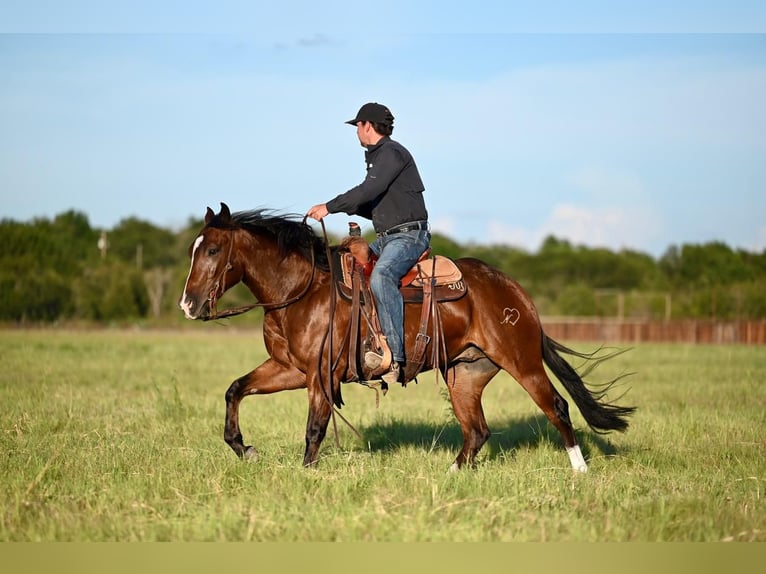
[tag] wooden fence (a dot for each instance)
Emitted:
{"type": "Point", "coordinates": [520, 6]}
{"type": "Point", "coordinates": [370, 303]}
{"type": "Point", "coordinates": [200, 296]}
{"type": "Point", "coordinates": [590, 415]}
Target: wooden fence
{"type": "Point", "coordinates": [646, 331]}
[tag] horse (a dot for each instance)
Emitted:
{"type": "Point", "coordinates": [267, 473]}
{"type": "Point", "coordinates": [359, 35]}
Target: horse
{"type": "Point", "coordinates": [286, 266]}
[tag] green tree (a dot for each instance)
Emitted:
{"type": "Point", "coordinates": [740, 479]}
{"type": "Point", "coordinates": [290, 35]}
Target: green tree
{"type": "Point", "coordinates": [142, 244]}
{"type": "Point", "coordinates": [39, 296]}
{"type": "Point", "coordinates": [712, 263]}
{"type": "Point", "coordinates": [38, 263]}
{"type": "Point", "coordinates": [443, 245]}
{"type": "Point", "coordinates": [577, 299]}
{"type": "Point", "coordinates": [111, 291]}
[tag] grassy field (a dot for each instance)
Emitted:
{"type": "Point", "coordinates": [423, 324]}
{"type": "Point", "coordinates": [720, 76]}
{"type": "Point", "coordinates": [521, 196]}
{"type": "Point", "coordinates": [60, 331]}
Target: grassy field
{"type": "Point", "coordinates": [117, 436]}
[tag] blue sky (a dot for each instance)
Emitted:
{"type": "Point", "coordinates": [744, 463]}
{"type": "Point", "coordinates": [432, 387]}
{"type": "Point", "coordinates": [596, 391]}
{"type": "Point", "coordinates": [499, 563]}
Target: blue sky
{"type": "Point", "coordinates": [620, 128]}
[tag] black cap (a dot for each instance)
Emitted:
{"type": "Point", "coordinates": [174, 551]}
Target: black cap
{"type": "Point", "coordinates": [373, 112]}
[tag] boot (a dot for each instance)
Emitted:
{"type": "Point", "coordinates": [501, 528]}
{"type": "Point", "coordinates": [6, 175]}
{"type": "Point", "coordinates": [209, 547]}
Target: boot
{"type": "Point", "coordinates": [395, 374]}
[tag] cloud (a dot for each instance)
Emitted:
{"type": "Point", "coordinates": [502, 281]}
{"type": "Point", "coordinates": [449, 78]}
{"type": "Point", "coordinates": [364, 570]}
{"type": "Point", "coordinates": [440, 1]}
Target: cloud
{"type": "Point", "coordinates": [504, 234]}
{"type": "Point", "coordinates": [444, 225]}
{"type": "Point", "coordinates": [597, 206]}
{"type": "Point", "coordinates": [609, 227]}
{"type": "Point", "coordinates": [315, 40]}
{"type": "Point", "coordinates": [588, 225]}
{"type": "Point", "coordinates": [759, 243]}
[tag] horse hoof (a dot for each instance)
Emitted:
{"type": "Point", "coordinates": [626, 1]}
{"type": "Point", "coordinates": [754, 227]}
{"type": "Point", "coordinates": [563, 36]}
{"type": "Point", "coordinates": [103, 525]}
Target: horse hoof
{"type": "Point", "coordinates": [250, 453]}
{"type": "Point", "coordinates": [454, 468]}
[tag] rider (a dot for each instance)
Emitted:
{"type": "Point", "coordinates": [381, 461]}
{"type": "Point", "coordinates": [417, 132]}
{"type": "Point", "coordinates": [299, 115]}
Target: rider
{"type": "Point", "coordinates": [392, 196]}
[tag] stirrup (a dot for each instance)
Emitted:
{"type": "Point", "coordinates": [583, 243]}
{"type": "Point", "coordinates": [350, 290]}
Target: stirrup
{"type": "Point", "coordinates": [372, 360]}
{"type": "Point", "coordinates": [378, 362]}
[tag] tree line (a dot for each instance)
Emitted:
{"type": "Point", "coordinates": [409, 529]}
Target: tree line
{"type": "Point", "coordinates": [63, 269]}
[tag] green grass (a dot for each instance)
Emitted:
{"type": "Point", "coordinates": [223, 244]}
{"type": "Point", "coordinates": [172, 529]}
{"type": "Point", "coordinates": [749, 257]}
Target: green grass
{"type": "Point", "coordinates": [117, 436]}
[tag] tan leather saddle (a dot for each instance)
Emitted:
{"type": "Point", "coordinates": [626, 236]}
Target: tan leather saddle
{"type": "Point", "coordinates": [431, 280]}
{"type": "Point", "coordinates": [438, 271]}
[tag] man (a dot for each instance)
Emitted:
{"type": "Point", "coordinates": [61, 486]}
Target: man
{"type": "Point", "coordinates": [391, 195]}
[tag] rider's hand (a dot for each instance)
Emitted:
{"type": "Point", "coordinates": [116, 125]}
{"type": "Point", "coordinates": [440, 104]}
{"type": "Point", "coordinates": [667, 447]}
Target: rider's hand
{"type": "Point", "coordinates": [318, 212]}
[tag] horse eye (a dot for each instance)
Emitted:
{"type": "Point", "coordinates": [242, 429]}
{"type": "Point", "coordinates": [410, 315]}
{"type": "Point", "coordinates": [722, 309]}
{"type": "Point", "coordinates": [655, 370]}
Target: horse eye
{"type": "Point", "coordinates": [213, 251]}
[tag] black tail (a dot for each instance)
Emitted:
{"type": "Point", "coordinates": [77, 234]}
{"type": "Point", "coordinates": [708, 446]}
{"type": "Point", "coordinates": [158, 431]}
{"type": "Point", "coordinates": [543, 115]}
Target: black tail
{"type": "Point", "coordinates": [600, 416]}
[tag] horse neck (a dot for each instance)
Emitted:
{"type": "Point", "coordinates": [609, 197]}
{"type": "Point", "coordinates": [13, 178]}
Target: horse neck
{"type": "Point", "coordinates": [271, 276]}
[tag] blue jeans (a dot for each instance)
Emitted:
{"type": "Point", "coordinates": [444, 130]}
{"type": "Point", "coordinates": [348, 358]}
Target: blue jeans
{"type": "Point", "coordinates": [397, 254]}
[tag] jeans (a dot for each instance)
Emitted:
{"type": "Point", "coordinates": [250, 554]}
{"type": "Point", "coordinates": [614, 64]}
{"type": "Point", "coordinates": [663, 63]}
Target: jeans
{"type": "Point", "coordinates": [397, 253]}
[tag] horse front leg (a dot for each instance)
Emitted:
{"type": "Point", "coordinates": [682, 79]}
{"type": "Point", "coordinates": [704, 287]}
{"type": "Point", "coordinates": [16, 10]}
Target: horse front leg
{"type": "Point", "coordinates": [320, 410]}
{"type": "Point", "coordinates": [269, 377]}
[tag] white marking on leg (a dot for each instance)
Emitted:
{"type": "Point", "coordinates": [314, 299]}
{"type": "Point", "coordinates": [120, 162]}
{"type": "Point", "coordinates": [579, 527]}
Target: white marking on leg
{"type": "Point", "coordinates": [454, 467]}
{"type": "Point", "coordinates": [577, 459]}
{"type": "Point", "coordinates": [184, 303]}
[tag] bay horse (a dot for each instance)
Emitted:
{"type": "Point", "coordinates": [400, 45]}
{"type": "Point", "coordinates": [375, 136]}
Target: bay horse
{"type": "Point", "coordinates": [286, 266]}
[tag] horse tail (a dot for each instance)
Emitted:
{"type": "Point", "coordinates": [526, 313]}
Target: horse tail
{"type": "Point", "coordinates": [600, 415]}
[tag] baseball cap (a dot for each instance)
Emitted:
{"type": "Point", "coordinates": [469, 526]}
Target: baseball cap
{"type": "Point", "coordinates": [373, 112]}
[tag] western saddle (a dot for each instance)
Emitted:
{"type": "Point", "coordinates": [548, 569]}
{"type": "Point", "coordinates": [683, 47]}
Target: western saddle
{"type": "Point", "coordinates": [431, 280]}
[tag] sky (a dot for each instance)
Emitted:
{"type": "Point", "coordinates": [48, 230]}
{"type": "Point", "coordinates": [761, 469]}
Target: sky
{"type": "Point", "coordinates": [606, 126]}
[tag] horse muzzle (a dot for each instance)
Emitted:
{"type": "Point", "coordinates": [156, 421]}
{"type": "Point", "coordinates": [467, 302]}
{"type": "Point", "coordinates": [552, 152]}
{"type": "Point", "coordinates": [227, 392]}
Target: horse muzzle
{"type": "Point", "coordinates": [193, 309]}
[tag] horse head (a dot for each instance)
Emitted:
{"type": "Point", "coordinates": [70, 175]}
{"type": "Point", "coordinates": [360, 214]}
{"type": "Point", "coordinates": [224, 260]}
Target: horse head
{"type": "Point", "coordinates": [212, 270]}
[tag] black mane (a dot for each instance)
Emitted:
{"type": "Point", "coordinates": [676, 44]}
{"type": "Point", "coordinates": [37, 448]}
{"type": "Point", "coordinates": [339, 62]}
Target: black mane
{"type": "Point", "coordinates": [291, 232]}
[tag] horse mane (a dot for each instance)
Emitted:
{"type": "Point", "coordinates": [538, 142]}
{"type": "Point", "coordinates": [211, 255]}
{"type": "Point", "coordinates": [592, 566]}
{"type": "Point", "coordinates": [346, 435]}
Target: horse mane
{"type": "Point", "coordinates": [291, 232]}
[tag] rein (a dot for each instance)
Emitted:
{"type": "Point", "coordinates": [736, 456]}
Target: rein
{"type": "Point", "coordinates": [220, 286]}
{"type": "Point", "coordinates": [328, 389]}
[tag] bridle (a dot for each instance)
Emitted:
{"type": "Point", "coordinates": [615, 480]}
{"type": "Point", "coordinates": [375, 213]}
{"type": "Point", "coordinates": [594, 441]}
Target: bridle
{"type": "Point", "coordinates": [220, 287]}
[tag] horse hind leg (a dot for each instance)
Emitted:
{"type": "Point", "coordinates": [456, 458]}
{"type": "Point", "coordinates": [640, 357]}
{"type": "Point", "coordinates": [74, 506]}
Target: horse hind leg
{"type": "Point", "coordinates": [466, 380]}
{"type": "Point", "coordinates": [556, 408]}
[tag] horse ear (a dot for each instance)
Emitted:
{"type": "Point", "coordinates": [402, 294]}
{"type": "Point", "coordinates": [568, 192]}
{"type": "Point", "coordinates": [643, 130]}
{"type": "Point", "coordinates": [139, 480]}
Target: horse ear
{"type": "Point", "coordinates": [209, 216]}
{"type": "Point", "coordinates": [225, 214]}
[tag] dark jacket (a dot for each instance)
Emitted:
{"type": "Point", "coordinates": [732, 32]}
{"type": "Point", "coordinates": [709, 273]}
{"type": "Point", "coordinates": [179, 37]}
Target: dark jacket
{"type": "Point", "coordinates": [392, 192]}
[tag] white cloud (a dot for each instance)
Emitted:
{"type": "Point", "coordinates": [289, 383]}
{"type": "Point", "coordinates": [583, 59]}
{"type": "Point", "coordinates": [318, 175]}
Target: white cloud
{"type": "Point", "coordinates": [502, 233]}
{"type": "Point", "coordinates": [613, 210]}
{"type": "Point", "coordinates": [609, 227]}
{"type": "Point", "coordinates": [759, 243]}
{"type": "Point", "coordinates": [445, 225]}
{"type": "Point", "coordinates": [587, 226]}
